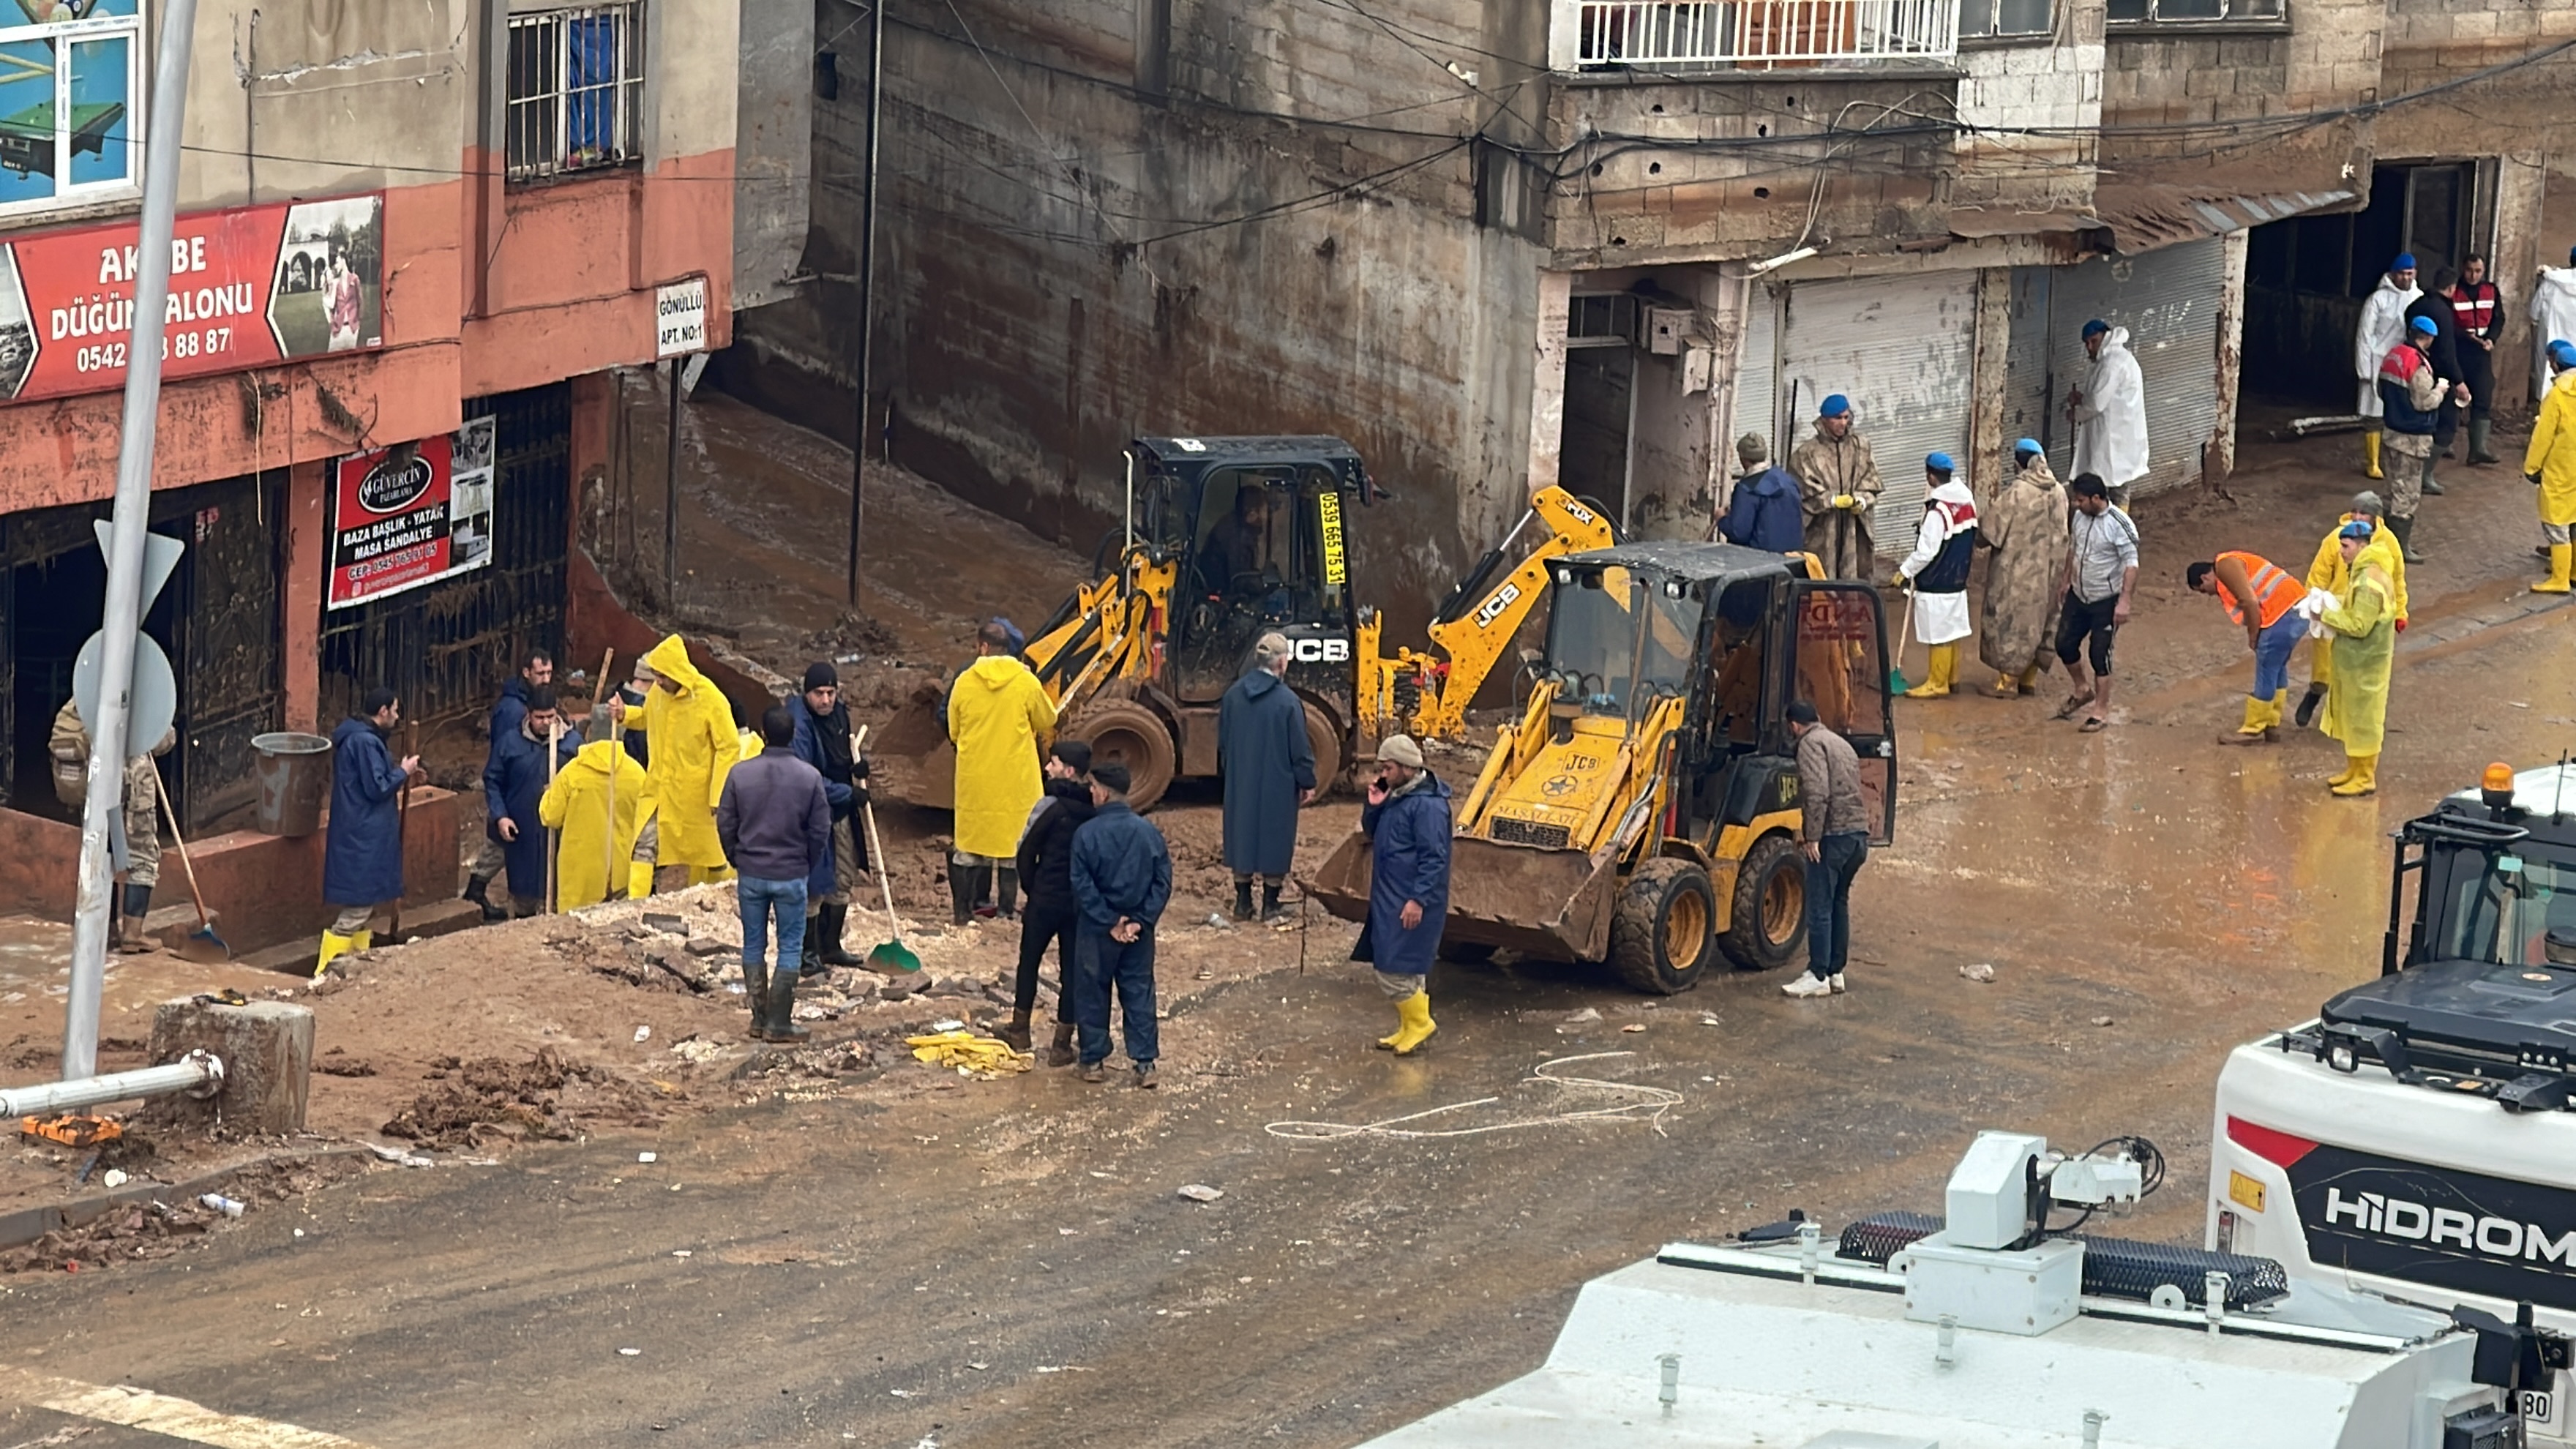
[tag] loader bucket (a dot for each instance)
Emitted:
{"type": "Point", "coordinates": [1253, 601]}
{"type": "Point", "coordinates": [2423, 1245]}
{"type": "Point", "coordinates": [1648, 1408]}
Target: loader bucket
{"type": "Point", "coordinates": [910, 758]}
{"type": "Point", "coordinates": [1553, 904]}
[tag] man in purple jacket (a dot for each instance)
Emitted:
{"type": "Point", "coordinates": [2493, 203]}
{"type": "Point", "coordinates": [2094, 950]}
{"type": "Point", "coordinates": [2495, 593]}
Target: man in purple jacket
{"type": "Point", "coordinates": [776, 826]}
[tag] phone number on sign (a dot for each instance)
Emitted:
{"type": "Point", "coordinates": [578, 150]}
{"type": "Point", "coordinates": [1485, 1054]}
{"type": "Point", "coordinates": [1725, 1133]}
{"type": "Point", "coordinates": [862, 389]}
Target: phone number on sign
{"type": "Point", "coordinates": [374, 568]}
{"type": "Point", "coordinates": [107, 356]}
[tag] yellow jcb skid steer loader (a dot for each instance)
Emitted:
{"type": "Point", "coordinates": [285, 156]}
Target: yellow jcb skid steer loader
{"type": "Point", "coordinates": [1644, 811]}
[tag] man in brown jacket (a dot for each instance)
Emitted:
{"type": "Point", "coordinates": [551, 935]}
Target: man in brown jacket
{"type": "Point", "coordinates": [1833, 829]}
{"type": "Point", "coordinates": [1838, 488]}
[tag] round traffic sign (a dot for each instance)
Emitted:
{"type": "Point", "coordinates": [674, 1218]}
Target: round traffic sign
{"type": "Point", "coordinates": [156, 690]}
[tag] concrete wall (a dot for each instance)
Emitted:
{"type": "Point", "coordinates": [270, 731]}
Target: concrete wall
{"type": "Point", "coordinates": [2325, 55]}
{"type": "Point", "coordinates": [2054, 84]}
{"type": "Point", "coordinates": [773, 148]}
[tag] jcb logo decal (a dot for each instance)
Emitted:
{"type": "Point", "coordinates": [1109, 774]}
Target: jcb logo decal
{"type": "Point", "coordinates": [1492, 609]}
{"type": "Point", "coordinates": [1321, 651]}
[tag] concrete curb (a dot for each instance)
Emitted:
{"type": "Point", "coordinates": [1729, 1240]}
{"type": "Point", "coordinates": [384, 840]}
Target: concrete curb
{"type": "Point", "coordinates": [26, 1225]}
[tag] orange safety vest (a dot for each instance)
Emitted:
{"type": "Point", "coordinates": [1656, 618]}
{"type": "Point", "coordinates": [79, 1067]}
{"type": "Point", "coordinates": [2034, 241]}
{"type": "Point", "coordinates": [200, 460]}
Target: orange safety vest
{"type": "Point", "coordinates": [2275, 592]}
{"type": "Point", "coordinates": [2400, 363]}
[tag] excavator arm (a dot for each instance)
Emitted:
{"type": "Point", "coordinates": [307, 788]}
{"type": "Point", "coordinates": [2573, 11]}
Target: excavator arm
{"type": "Point", "coordinates": [1427, 694]}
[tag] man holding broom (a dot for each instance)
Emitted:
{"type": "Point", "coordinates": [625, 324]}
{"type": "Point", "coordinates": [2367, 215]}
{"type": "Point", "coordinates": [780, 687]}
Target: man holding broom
{"type": "Point", "coordinates": [515, 778]}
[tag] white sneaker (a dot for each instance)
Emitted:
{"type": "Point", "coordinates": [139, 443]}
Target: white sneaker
{"type": "Point", "coordinates": [1837, 981]}
{"type": "Point", "coordinates": [1807, 985]}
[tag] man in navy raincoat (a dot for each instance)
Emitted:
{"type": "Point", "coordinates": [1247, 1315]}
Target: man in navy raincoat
{"type": "Point", "coordinates": [362, 863]}
{"type": "Point", "coordinates": [507, 713]}
{"type": "Point", "coordinates": [514, 780]}
{"type": "Point", "coordinates": [1407, 822]}
{"type": "Point", "coordinates": [1269, 770]}
{"type": "Point", "coordinates": [1764, 511]}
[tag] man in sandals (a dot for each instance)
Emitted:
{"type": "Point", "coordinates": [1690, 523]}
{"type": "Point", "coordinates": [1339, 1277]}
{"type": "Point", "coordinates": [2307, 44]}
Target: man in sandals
{"type": "Point", "coordinates": [2101, 573]}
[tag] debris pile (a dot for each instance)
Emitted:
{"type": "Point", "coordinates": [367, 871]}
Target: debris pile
{"type": "Point", "coordinates": [492, 1099]}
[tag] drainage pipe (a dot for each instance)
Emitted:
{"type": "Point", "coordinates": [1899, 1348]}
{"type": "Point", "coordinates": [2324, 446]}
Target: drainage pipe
{"type": "Point", "coordinates": [197, 1074]}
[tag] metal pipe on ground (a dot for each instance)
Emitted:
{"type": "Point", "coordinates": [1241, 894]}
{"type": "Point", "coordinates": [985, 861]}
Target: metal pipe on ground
{"type": "Point", "coordinates": [198, 1073]}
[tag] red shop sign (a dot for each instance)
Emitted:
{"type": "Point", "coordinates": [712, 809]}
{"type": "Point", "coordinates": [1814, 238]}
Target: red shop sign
{"type": "Point", "coordinates": [250, 287]}
{"type": "Point", "coordinates": [390, 528]}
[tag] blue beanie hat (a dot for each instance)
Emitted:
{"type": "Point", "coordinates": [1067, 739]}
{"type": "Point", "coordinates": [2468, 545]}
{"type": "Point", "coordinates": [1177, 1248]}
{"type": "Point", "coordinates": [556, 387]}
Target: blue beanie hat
{"type": "Point", "coordinates": [1834, 406]}
{"type": "Point", "coordinates": [1940, 463]}
{"type": "Point", "coordinates": [2562, 352]}
{"type": "Point", "coordinates": [2360, 528]}
{"type": "Point", "coordinates": [2405, 262]}
{"type": "Point", "coordinates": [2096, 325]}
{"type": "Point", "coordinates": [2029, 445]}
{"type": "Point", "coordinates": [2426, 325]}
{"type": "Point", "coordinates": [1019, 641]}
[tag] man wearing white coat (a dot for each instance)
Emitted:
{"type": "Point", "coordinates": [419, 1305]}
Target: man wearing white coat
{"type": "Point", "coordinates": [2553, 315]}
{"type": "Point", "coordinates": [2110, 412]}
{"type": "Point", "coordinates": [2383, 326]}
{"type": "Point", "coordinates": [1937, 570]}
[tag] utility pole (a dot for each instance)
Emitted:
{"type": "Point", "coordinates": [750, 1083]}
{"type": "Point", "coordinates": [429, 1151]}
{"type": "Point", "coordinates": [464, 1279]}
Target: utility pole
{"type": "Point", "coordinates": [671, 497]}
{"type": "Point", "coordinates": [867, 290]}
{"type": "Point", "coordinates": [129, 521]}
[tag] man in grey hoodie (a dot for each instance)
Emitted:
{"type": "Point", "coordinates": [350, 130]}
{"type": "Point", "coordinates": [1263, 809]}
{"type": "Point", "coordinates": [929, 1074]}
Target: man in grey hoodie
{"type": "Point", "coordinates": [775, 824]}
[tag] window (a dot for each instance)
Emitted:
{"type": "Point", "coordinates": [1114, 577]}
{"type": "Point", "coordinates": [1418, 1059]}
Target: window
{"type": "Point", "coordinates": [576, 81]}
{"type": "Point", "coordinates": [71, 97]}
{"type": "Point", "coordinates": [2187, 10]}
{"type": "Point", "coordinates": [2007, 17]}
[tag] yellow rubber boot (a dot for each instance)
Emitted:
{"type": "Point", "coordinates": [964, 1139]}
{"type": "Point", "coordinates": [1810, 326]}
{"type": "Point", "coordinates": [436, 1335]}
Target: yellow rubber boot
{"type": "Point", "coordinates": [1944, 673]}
{"type": "Point", "coordinates": [2272, 711]}
{"type": "Point", "coordinates": [1402, 1024]}
{"type": "Point", "coordinates": [2561, 557]}
{"type": "Point", "coordinates": [639, 879]}
{"type": "Point", "coordinates": [1418, 1025]}
{"type": "Point", "coordinates": [2363, 779]}
{"type": "Point", "coordinates": [366, 939]}
{"type": "Point", "coordinates": [2340, 776]}
{"type": "Point", "coordinates": [703, 874]}
{"type": "Point", "coordinates": [2370, 455]}
{"type": "Point", "coordinates": [2257, 729]}
{"type": "Point", "coordinates": [334, 945]}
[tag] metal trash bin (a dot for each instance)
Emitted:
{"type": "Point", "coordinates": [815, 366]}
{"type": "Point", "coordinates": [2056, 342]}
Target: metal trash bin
{"type": "Point", "coordinates": [294, 778]}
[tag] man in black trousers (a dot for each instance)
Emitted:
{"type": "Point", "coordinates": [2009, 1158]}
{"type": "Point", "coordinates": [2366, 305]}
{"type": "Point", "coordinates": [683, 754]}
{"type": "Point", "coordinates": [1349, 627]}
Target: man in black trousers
{"type": "Point", "coordinates": [1122, 875]}
{"type": "Point", "coordinates": [1046, 873]}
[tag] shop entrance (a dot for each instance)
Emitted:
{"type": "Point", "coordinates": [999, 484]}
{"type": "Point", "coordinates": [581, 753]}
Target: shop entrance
{"type": "Point", "coordinates": [217, 619]}
{"type": "Point", "coordinates": [2306, 278]}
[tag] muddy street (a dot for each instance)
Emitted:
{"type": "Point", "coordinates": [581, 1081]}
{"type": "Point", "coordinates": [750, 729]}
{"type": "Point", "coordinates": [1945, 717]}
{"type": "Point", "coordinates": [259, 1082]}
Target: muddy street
{"type": "Point", "coordinates": [844, 1245]}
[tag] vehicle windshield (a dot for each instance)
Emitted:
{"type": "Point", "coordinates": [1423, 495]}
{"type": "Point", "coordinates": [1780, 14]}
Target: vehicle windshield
{"type": "Point", "coordinates": [2507, 912]}
{"type": "Point", "coordinates": [1593, 641]}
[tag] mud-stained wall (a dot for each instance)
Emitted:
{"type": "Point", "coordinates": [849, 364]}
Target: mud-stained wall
{"type": "Point", "coordinates": [1071, 257]}
{"type": "Point", "coordinates": [2159, 77]}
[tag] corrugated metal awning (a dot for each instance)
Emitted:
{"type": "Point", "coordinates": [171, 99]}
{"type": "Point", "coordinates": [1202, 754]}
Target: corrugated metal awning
{"type": "Point", "coordinates": [2140, 217]}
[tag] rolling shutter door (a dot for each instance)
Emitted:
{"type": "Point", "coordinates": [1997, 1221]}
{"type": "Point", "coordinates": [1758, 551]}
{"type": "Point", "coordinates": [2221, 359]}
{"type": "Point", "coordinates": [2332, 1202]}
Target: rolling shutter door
{"type": "Point", "coordinates": [2168, 300]}
{"type": "Point", "coordinates": [2029, 385]}
{"type": "Point", "coordinates": [1757, 407]}
{"type": "Point", "coordinates": [1901, 348]}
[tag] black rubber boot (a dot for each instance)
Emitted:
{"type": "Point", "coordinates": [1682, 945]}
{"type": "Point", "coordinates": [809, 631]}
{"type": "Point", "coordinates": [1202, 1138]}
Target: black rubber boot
{"type": "Point", "coordinates": [1015, 1031]}
{"type": "Point", "coordinates": [1243, 898]}
{"type": "Point", "coordinates": [809, 960]}
{"type": "Point", "coordinates": [979, 889]}
{"type": "Point", "coordinates": [478, 889]}
{"type": "Point", "coordinates": [961, 884]}
{"type": "Point", "coordinates": [836, 921]}
{"type": "Point", "coordinates": [755, 994]}
{"type": "Point", "coordinates": [2432, 486]}
{"type": "Point", "coordinates": [1269, 900]}
{"type": "Point", "coordinates": [2308, 703]}
{"type": "Point", "coordinates": [2404, 528]}
{"type": "Point", "coordinates": [1006, 891]}
{"type": "Point", "coordinates": [781, 1025]}
{"type": "Point", "coordinates": [1059, 1052]}
{"type": "Point", "coordinates": [138, 904]}
{"type": "Point", "coordinates": [2480, 430]}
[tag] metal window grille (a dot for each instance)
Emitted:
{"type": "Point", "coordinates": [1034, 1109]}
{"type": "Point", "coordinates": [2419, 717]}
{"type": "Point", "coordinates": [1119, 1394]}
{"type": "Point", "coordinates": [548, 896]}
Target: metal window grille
{"type": "Point", "coordinates": [1764, 32]}
{"type": "Point", "coordinates": [2188, 10]}
{"type": "Point", "coordinates": [576, 87]}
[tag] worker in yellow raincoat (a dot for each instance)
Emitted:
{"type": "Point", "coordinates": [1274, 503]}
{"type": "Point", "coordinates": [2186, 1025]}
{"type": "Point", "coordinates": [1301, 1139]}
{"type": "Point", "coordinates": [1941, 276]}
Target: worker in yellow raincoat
{"type": "Point", "coordinates": [2329, 572]}
{"type": "Point", "coordinates": [2364, 623]}
{"type": "Point", "coordinates": [695, 745]}
{"type": "Point", "coordinates": [577, 804]}
{"type": "Point", "coordinates": [1000, 718]}
{"type": "Point", "coordinates": [2551, 463]}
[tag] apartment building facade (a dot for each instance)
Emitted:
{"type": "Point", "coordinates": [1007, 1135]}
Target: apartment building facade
{"type": "Point", "coordinates": [413, 237]}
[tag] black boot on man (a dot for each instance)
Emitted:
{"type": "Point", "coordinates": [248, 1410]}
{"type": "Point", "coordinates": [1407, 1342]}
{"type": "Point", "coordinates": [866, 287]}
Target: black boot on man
{"type": "Point", "coordinates": [835, 921]}
{"type": "Point", "coordinates": [1243, 898]}
{"type": "Point", "coordinates": [961, 898]}
{"type": "Point", "coordinates": [478, 889]}
{"type": "Point", "coordinates": [1270, 910]}
{"type": "Point", "coordinates": [1006, 892]}
{"type": "Point", "coordinates": [780, 1025]}
{"type": "Point", "coordinates": [1060, 1052]}
{"type": "Point", "coordinates": [2404, 528]}
{"type": "Point", "coordinates": [130, 939]}
{"type": "Point", "coordinates": [755, 994]}
{"type": "Point", "coordinates": [2480, 430]}
{"type": "Point", "coordinates": [1015, 1031]}
{"type": "Point", "coordinates": [2308, 703]}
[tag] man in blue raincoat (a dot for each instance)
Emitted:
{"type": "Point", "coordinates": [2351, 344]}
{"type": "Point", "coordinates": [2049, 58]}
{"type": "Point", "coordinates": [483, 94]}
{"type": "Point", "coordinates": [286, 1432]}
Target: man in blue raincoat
{"type": "Point", "coordinates": [1269, 769]}
{"type": "Point", "coordinates": [514, 780]}
{"type": "Point", "coordinates": [1764, 511]}
{"type": "Point", "coordinates": [1407, 822]}
{"type": "Point", "coordinates": [507, 712]}
{"type": "Point", "coordinates": [362, 864]}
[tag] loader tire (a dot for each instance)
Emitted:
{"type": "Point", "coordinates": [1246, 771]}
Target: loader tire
{"type": "Point", "coordinates": [1326, 742]}
{"type": "Point", "coordinates": [1770, 916]}
{"type": "Point", "coordinates": [1662, 936]}
{"type": "Point", "coordinates": [1133, 736]}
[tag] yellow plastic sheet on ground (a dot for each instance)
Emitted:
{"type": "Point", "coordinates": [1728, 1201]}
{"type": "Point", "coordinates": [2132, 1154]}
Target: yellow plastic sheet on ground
{"type": "Point", "coordinates": [971, 1055]}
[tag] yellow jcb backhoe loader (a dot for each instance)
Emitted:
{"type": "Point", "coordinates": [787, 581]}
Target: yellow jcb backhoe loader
{"type": "Point", "coordinates": [1228, 539]}
{"type": "Point", "coordinates": [1644, 811]}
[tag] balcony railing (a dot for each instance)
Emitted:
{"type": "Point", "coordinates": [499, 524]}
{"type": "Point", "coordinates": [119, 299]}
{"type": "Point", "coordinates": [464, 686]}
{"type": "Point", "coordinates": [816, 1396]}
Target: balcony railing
{"type": "Point", "coordinates": [1764, 32]}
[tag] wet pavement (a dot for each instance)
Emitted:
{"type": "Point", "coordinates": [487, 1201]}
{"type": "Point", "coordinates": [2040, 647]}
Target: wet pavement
{"type": "Point", "coordinates": [1009, 1263]}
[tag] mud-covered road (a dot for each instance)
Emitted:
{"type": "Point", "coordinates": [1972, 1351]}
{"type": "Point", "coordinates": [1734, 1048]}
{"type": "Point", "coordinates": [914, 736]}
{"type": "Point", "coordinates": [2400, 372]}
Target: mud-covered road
{"type": "Point", "coordinates": [912, 1260]}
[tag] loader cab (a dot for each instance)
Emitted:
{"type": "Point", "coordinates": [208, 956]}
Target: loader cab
{"type": "Point", "coordinates": [1255, 531]}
